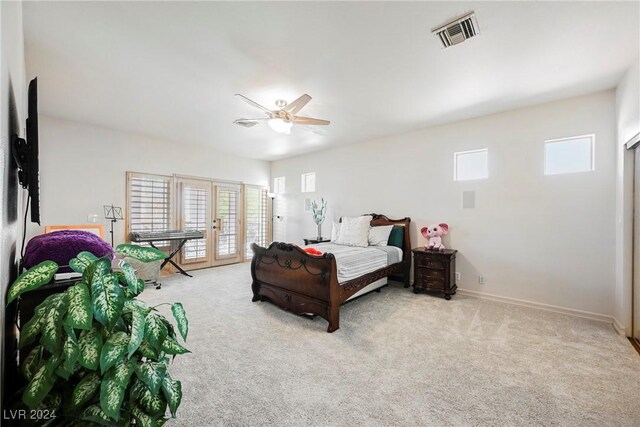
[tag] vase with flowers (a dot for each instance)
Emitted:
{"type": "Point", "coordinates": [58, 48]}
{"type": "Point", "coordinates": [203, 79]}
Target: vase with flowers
{"type": "Point", "coordinates": [319, 212]}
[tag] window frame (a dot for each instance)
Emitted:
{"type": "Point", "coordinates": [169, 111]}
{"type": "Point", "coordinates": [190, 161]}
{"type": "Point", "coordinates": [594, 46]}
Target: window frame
{"type": "Point", "coordinates": [303, 186]}
{"type": "Point", "coordinates": [591, 136]}
{"type": "Point", "coordinates": [455, 164]}
{"type": "Point", "coordinates": [280, 187]}
{"type": "Point", "coordinates": [130, 175]}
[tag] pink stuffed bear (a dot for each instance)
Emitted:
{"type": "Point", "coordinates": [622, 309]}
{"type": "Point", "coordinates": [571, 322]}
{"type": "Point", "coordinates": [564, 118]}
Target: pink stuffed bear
{"type": "Point", "coordinates": [434, 233]}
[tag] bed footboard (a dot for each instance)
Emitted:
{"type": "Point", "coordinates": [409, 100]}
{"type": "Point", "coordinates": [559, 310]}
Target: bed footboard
{"type": "Point", "coordinates": [297, 281]}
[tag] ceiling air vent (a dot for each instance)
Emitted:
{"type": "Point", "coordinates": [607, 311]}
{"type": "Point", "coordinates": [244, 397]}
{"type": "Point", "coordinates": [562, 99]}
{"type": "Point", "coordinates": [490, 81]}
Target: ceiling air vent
{"type": "Point", "coordinates": [458, 30]}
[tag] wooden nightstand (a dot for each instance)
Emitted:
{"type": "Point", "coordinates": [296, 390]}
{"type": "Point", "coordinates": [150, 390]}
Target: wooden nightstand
{"type": "Point", "coordinates": [434, 271]}
{"type": "Point", "coordinates": [313, 240]}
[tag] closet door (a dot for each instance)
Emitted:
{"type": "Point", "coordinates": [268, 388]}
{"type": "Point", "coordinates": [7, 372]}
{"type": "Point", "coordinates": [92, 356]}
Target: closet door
{"type": "Point", "coordinates": [227, 224]}
{"type": "Point", "coordinates": [195, 214]}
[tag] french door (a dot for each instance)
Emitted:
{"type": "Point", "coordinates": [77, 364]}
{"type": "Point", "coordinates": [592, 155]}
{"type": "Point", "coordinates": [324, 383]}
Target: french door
{"type": "Point", "coordinates": [214, 209]}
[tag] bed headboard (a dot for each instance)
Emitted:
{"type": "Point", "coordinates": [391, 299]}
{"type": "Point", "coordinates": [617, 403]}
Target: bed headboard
{"type": "Point", "coordinates": [404, 222]}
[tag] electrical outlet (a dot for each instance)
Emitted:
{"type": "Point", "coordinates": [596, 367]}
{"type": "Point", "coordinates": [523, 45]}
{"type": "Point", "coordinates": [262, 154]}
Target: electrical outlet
{"type": "Point", "coordinates": [457, 277]}
{"type": "Point", "coordinates": [481, 279]}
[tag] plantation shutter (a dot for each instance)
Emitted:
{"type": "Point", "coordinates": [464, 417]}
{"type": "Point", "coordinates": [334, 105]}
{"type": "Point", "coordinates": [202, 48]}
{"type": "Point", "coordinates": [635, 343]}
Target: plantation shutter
{"type": "Point", "coordinates": [256, 223]}
{"type": "Point", "coordinates": [227, 208]}
{"type": "Point", "coordinates": [196, 202]}
{"type": "Point", "coordinates": [149, 203]}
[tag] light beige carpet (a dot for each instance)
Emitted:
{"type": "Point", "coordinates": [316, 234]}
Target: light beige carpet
{"type": "Point", "coordinates": [398, 359]}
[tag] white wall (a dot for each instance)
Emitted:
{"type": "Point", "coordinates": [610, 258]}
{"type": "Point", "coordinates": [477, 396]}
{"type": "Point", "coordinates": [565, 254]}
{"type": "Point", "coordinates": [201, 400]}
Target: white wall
{"type": "Point", "coordinates": [543, 239]}
{"type": "Point", "coordinates": [12, 112]}
{"type": "Point", "coordinates": [627, 124]}
{"type": "Point", "coordinates": [83, 167]}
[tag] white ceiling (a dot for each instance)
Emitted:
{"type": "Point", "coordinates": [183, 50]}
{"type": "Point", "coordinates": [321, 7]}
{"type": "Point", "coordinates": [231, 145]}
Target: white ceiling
{"type": "Point", "coordinates": [170, 70]}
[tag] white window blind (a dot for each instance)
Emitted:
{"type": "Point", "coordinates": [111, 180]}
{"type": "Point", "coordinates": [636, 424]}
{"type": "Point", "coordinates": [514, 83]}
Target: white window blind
{"type": "Point", "coordinates": [195, 202]}
{"type": "Point", "coordinates": [257, 222]}
{"type": "Point", "coordinates": [149, 207]}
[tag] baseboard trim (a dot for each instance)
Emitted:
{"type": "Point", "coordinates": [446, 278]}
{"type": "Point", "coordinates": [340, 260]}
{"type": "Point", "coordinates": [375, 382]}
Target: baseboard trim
{"type": "Point", "coordinates": [619, 328]}
{"type": "Point", "coordinates": [547, 307]}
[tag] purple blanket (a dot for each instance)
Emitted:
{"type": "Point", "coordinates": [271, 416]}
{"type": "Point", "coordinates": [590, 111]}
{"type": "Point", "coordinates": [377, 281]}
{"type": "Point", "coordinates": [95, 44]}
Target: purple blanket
{"type": "Point", "coordinates": [61, 246]}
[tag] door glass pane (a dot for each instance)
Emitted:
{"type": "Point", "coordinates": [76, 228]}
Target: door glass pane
{"type": "Point", "coordinates": [227, 206]}
{"type": "Point", "coordinates": [256, 218]}
{"type": "Point", "coordinates": [195, 202]}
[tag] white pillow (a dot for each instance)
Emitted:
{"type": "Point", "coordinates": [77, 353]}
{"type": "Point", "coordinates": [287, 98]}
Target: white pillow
{"type": "Point", "coordinates": [379, 236]}
{"type": "Point", "coordinates": [354, 231]}
{"type": "Point", "coordinates": [335, 231]}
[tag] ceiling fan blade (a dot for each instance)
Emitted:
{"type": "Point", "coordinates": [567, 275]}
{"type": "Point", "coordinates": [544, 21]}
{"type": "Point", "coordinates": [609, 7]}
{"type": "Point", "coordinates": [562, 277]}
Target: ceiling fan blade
{"type": "Point", "coordinates": [299, 120]}
{"type": "Point", "coordinates": [247, 122]}
{"type": "Point", "coordinates": [297, 105]}
{"type": "Point", "coordinates": [255, 104]}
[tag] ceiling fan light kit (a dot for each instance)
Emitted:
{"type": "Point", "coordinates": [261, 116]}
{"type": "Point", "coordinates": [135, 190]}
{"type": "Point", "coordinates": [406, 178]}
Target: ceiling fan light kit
{"type": "Point", "coordinates": [280, 126]}
{"type": "Point", "coordinates": [283, 119]}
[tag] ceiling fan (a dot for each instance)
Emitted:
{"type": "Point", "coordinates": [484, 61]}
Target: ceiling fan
{"type": "Point", "coordinates": [283, 119]}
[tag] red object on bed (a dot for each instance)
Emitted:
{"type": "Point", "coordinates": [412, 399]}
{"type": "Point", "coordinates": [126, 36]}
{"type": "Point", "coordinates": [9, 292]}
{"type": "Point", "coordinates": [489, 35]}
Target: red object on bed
{"type": "Point", "coordinates": [312, 251]}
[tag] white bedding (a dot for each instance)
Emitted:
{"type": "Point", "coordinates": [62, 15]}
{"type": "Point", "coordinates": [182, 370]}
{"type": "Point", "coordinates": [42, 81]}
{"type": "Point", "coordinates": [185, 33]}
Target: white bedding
{"type": "Point", "coordinates": [353, 261]}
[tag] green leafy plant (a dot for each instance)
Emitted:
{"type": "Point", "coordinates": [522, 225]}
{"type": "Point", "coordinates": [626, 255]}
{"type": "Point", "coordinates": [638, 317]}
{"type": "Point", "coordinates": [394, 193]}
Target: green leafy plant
{"type": "Point", "coordinates": [101, 355]}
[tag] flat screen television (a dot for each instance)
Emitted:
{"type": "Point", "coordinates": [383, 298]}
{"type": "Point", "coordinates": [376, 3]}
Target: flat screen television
{"type": "Point", "coordinates": [25, 152]}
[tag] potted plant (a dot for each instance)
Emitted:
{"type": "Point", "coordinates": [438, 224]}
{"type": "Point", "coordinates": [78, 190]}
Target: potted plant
{"type": "Point", "coordinates": [101, 355]}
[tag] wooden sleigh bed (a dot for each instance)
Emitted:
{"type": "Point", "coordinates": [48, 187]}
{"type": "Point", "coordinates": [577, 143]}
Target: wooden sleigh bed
{"type": "Point", "coordinates": [302, 283]}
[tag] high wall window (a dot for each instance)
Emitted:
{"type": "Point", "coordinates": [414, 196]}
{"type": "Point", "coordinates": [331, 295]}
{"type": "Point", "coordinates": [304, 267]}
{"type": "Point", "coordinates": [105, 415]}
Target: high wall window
{"type": "Point", "coordinates": [309, 182]}
{"type": "Point", "coordinates": [471, 165]}
{"type": "Point", "coordinates": [257, 218]}
{"type": "Point", "coordinates": [279, 185]}
{"type": "Point", "coordinates": [569, 155]}
{"type": "Point", "coordinates": [149, 203]}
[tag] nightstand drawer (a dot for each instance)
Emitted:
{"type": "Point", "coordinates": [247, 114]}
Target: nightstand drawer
{"type": "Point", "coordinates": [430, 263]}
{"type": "Point", "coordinates": [435, 284]}
{"type": "Point", "coordinates": [432, 274]}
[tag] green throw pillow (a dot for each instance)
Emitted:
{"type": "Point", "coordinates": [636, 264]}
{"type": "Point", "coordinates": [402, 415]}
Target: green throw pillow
{"type": "Point", "coordinates": [396, 238]}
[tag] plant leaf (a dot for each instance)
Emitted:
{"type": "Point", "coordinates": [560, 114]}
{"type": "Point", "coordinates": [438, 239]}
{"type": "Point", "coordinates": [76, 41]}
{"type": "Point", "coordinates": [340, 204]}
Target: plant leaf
{"type": "Point", "coordinates": [40, 384]}
{"type": "Point", "coordinates": [141, 253]}
{"type": "Point", "coordinates": [155, 331]}
{"type": "Point", "coordinates": [80, 314]}
{"type": "Point", "coordinates": [32, 362]}
{"type": "Point", "coordinates": [181, 319]}
{"type": "Point", "coordinates": [171, 346]}
{"type": "Point", "coordinates": [140, 286]}
{"type": "Point", "coordinates": [130, 277]}
{"type": "Point", "coordinates": [111, 397]}
{"type": "Point", "coordinates": [52, 326]}
{"type": "Point", "coordinates": [107, 299]}
{"type": "Point", "coordinates": [85, 390]}
{"type": "Point", "coordinates": [31, 279]}
{"type": "Point", "coordinates": [121, 373]}
{"type": "Point", "coordinates": [94, 414]}
{"type": "Point", "coordinates": [138, 320]}
{"type": "Point", "coordinates": [152, 374]}
{"type": "Point", "coordinates": [148, 351]}
{"type": "Point", "coordinates": [172, 390]}
{"type": "Point", "coordinates": [83, 260]}
{"type": "Point", "coordinates": [96, 269]}
{"type": "Point", "coordinates": [151, 404]}
{"type": "Point", "coordinates": [71, 352]}
{"type": "Point", "coordinates": [113, 351]}
{"type": "Point", "coordinates": [90, 343]}
{"type": "Point", "coordinates": [32, 328]}
{"type": "Point", "coordinates": [142, 418]}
